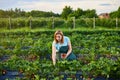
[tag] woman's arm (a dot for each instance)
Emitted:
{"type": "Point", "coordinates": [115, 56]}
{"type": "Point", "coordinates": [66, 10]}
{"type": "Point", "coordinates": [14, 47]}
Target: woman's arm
{"type": "Point", "coordinates": [69, 49]}
{"type": "Point", "coordinates": [53, 54]}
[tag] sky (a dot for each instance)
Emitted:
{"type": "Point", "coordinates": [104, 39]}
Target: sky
{"type": "Point", "coordinates": [56, 6]}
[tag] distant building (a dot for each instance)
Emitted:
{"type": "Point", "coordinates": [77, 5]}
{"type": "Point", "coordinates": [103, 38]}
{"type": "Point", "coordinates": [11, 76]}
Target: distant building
{"type": "Point", "coordinates": [104, 15]}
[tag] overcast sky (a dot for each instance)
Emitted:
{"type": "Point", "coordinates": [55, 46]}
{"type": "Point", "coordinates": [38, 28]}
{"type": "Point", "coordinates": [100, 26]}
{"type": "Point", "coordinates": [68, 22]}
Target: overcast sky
{"type": "Point", "coordinates": [56, 6]}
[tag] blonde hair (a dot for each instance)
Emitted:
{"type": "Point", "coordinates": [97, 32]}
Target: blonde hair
{"type": "Point", "coordinates": [61, 33]}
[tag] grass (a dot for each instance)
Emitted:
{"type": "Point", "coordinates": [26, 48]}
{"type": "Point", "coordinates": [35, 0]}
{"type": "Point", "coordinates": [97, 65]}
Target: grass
{"type": "Point", "coordinates": [27, 29]}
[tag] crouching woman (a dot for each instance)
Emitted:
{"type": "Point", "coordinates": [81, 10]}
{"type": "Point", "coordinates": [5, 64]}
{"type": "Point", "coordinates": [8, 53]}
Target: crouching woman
{"type": "Point", "coordinates": [61, 48]}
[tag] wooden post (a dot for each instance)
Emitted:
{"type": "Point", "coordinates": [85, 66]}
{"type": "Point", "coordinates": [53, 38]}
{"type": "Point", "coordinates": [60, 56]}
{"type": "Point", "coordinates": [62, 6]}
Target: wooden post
{"type": "Point", "coordinates": [52, 21]}
{"type": "Point", "coordinates": [116, 22]}
{"type": "Point", "coordinates": [66, 23]}
{"type": "Point", "coordinates": [10, 23]}
{"type": "Point", "coordinates": [94, 22]}
{"type": "Point", "coordinates": [30, 23]}
{"type": "Point", "coordinates": [73, 22]}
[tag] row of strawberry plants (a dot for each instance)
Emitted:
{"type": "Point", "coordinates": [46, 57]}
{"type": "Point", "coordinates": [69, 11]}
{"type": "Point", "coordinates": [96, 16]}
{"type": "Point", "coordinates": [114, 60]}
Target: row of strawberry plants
{"type": "Point", "coordinates": [30, 46]}
{"type": "Point", "coordinates": [40, 69]}
{"type": "Point", "coordinates": [106, 42]}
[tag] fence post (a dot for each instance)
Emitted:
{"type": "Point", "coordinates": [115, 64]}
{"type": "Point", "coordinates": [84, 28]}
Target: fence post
{"type": "Point", "coordinates": [52, 21]}
{"type": "Point", "coordinates": [30, 23]}
{"type": "Point", "coordinates": [73, 22]}
{"type": "Point", "coordinates": [116, 22]}
{"type": "Point", "coordinates": [10, 23]}
{"type": "Point", "coordinates": [66, 23]}
{"type": "Point", "coordinates": [93, 22]}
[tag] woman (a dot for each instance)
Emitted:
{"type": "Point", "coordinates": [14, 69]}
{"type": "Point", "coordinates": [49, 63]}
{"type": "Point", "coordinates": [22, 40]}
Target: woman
{"type": "Point", "coordinates": [61, 46]}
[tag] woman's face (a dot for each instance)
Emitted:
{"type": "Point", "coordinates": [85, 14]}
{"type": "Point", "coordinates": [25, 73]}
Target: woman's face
{"type": "Point", "coordinates": [58, 37]}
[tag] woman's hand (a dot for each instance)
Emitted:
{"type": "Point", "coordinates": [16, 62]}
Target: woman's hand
{"type": "Point", "coordinates": [69, 49]}
{"type": "Point", "coordinates": [53, 54]}
{"type": "Point", "coordinates": [63, 55]}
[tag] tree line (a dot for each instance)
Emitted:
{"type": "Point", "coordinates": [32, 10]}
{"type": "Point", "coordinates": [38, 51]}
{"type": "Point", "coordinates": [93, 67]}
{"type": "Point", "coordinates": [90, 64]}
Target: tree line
{"type": "Point", "coordinates": [66, 13]}
{"type": "Point", "coordinates": [17, 12]}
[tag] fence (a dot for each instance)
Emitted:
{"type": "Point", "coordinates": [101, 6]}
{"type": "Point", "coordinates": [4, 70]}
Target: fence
{"type": "Point", "coordinates": [53, 22]}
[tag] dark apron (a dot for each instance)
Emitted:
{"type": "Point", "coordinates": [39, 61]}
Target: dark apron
{"type": "Point", "coordinates": [64, 49]}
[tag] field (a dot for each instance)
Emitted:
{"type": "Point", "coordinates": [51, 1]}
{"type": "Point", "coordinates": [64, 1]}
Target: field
{"type": "Point", "coordinates": [26, 54]}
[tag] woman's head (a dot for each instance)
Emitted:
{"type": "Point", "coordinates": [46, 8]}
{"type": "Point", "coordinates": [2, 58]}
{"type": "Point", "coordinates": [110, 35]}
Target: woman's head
{"type": "Point", "coordinates": [58, 36]}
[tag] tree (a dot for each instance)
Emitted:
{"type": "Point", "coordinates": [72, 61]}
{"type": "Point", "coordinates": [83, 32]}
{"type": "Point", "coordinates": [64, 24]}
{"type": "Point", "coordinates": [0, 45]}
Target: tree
{"type": "Point", "coordinates": [17, 12]}
{"type": "Point", "coordinates": [1, 13]}
{"type": "Point", "coordinates": [66, 12]}
{"type": "Point", "coordinates": [78, 13]}
{"type": "Point", "coordinates": [22, 13]}
{"type": "Point", "coordinates": [90, 13]}
{"type": "Point", "coordinates": [118, 13]}
{"type": "Point", "coordinates": [37, 13]}
{"type": "Point", "coordinates": [10, 13]}
{"type": "Point", "coordinates": [113, 14]}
